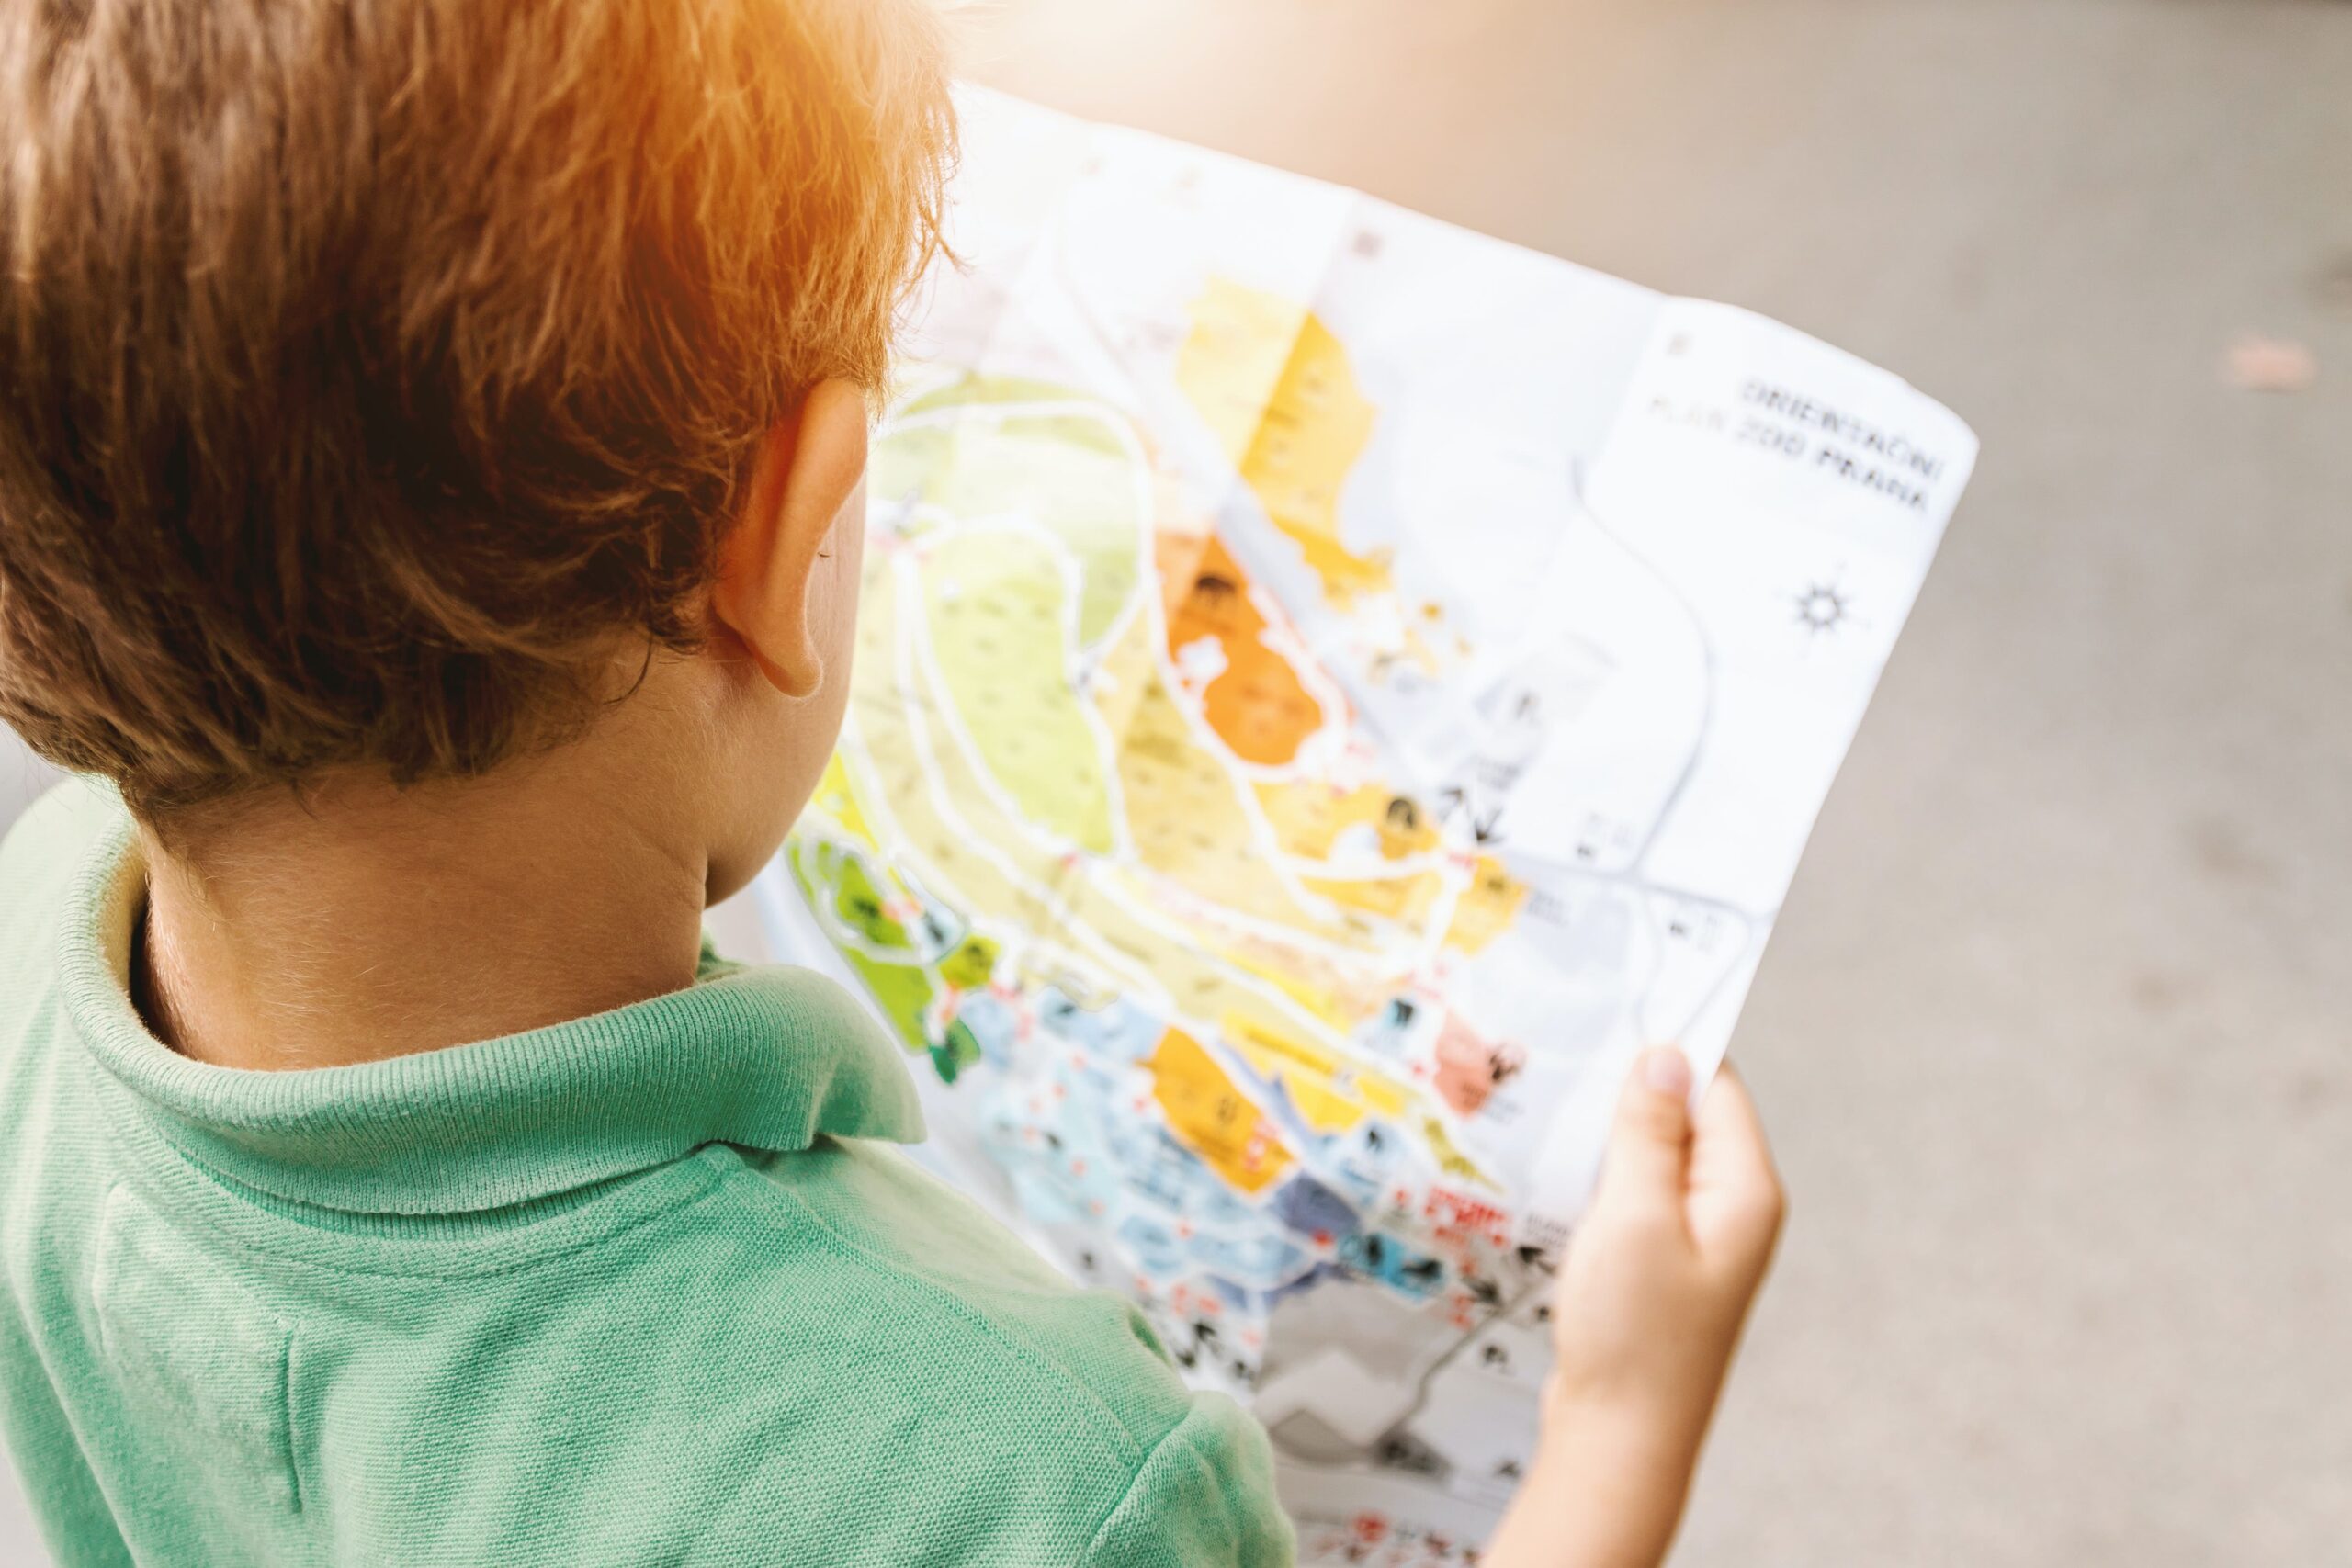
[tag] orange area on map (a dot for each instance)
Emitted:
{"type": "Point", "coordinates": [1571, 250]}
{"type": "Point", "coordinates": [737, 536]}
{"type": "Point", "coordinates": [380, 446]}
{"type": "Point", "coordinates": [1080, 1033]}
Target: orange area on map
{"type": "Point", "coordinates": [1276, 386]}
{"type": "Point", "coordinates": [1176, 559]}
{"type": "Point", "coordinates": [1484, 910]}
{"type": "Point", "coordinates": [1257, 703]}
{"type": "Point", "coordinates": [1213, 1119]}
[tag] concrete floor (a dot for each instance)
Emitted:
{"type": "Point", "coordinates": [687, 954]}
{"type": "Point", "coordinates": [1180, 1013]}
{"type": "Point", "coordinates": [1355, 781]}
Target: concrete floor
{"type": "Point", "coordinates": [2054, 1035]}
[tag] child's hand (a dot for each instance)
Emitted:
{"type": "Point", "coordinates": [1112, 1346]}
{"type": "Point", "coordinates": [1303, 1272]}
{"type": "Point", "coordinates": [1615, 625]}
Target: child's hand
{"type": "Point", "coordinates": [1645, 1314]}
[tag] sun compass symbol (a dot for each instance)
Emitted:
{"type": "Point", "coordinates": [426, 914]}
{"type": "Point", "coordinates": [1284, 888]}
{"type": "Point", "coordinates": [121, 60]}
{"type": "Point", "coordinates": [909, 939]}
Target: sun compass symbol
{"type": "Point", "coordinates": [1823, 607]}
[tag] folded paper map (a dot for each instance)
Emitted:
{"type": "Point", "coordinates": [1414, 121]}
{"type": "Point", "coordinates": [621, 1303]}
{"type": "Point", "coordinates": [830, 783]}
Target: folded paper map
{"type": "Point", "coordinates": [1331, 688]}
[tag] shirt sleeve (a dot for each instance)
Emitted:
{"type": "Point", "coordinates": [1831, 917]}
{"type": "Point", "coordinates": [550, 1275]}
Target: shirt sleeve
{"type": "Point", "coordinates": [1202, 1498]}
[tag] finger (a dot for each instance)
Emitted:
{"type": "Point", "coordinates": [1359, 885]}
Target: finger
{"type": "Point", "coordinates": [1727, 1134]}
{"type": "Point", "coordinates": [1734, 1189]}
{"type": "Point", "coordinates": [1649, 1146]}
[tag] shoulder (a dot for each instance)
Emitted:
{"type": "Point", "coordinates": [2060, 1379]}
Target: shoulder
{"type": "Point", "coordinates": [1205, 1496]}
{"type": "Point", "coordinates": [42, 854]}
{"type": "Point", "coordinates": [1073, 1438]}
{"type": "Point", "coordinates": [988, 1306]}
{"type": "Point", "coordinates": [40, 859]}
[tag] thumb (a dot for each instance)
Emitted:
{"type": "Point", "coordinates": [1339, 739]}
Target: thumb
{"type": "Point", "coordinates": [1649, 1146]}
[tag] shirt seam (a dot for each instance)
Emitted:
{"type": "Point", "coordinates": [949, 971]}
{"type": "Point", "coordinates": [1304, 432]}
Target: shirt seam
{"type": "Point", "coordinates": [1127, 1493]}
{"type": "Point", "coordinates": [105, 1255]}
{"type": "Point", "coordinates": [1130, 1447]}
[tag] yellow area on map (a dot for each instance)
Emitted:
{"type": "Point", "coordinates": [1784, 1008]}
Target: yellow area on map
{"type": "Point", "coordinates": [943, 817]}
{"type": "Point", "coordinates": [1329, 1095]}
{"type": "Point", "coordinates": [1213, 1119]}
{"type": "Point", "coordinates": [1450, 1157]}
{"type": "Point", "coordinates": [1405, 899]}
{"type": "Point", "coordinates": [995, 603]}
{"type": "Point", "coordinates": [1012, 702]}
{"type": "Point", "coordinates": [1275, 385]}
{"type": "Point", "coordinates": [1179, 539]}
{"type": "Point", "coordinates": [1070, 472]}
{"type": "Point", "coordinates": [1304, 978]}
{"type": "Point", "coordinates": [1485, 908]}
{"type": "Point", "coordinates": [1186, 818]}
{"type": "Point", "coordinates": [837, 799]}
{"type": "Point", "coordinates": [1308, 816]}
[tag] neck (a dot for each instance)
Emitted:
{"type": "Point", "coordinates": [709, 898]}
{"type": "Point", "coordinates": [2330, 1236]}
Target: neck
{"type": "Point", "coordinates": [373, 922]}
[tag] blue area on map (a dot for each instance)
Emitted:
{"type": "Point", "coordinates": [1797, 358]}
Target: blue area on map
{"type": "Point", "coordinates": [1261, 1260]}
{"type": "Point", "coordinates": [1153, 1246]}
{"type": "Point", "coordinates": [1309, 1207]}
{"type": "Point", "coordinates": [1119, 1031]}
{"type": "Point", "coordinates": [1379, 1256]}
{"type": "Point", "coordinates": [1041, 1198]}
{"type": "Point", "coordinates": [991, 1023]}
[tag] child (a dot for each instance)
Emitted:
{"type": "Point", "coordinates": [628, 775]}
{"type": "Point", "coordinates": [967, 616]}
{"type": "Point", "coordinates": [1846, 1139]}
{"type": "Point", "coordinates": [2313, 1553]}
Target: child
{"type": "Point", "coordinates": [431, 449]}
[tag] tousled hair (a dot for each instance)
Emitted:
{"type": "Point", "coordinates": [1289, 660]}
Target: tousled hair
{"type": "Point", "coordinates": [368, 367]}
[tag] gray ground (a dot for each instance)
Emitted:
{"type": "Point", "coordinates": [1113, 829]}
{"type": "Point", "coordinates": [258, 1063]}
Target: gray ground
{"type": "Point", "coordinates": [2052, 1038]}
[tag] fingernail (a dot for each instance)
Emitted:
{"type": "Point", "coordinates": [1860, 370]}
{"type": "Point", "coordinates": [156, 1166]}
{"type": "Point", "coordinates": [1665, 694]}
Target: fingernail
{"type": "Point", "coordinates": [1667, 1070]}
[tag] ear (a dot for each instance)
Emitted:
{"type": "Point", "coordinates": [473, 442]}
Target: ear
{"type": "Point", "coordinates": [806, 469]}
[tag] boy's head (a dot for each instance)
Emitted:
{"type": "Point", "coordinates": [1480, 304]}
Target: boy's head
{"type": "Point", "coordinates": [386, 385]}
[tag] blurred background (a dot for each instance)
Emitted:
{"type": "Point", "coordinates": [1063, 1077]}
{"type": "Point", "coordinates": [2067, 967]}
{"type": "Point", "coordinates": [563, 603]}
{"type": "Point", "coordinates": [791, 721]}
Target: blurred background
{"type": "Point", "coordinates": [2054, 1035]}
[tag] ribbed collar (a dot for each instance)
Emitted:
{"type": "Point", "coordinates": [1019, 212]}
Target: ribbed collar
{"type": "Point", "coordinates": [767, 1057]}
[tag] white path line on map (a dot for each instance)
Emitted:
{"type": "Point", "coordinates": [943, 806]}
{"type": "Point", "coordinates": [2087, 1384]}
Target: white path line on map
{"type": "Point", "coordinates": [1400, 869]}
{"type": "Point", "coordinates": [1204, 735]}
{"type": "Point", "coordinates": [1054, 245]}
{"type": "Point", "coordinates": [839, 932]}
{"type": "Point", "coordinates": [1275, 997]}
{"type": "Point", "coordinates": [967, 744]}
{"type": "Point", "coordinates": [872, 800]}
{"type": "Point", "coordinates": [1663, 811]}
{"type": "Point", "coordinates": [997, 412]}
{"type": "Point", "coordinates": [1201, 909]}
{"type": "Point", "coordinates": [1075, 673]}
{"type": "Point", "coordinates": [1321, 633]}
{"type": "Point", "coordinates": [873, 803]}
{"type": "Point", "coordinates": [1091, 868]}
{"type": "Point", "coordinates": [943, 800]}
{"type": "Point", "coordinates": [1109, 887]}
{"type": "Point", "coordinates": [1310, 904]}
{"type": "Point", "coordinates": [1146, 580]}
{"type": "Point", "coordinates": [1752, 936]}
{"type": "Point", "coordinates": [836, 933]}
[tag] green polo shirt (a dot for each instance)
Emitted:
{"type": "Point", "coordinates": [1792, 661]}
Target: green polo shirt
{"type": "Point", "coordinates": [646, 1287]}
